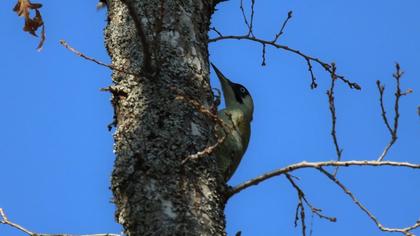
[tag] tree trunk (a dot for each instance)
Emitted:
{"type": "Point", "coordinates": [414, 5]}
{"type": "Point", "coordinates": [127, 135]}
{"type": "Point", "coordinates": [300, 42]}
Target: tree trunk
{"type": "Point", "coordinates": [165, 44]}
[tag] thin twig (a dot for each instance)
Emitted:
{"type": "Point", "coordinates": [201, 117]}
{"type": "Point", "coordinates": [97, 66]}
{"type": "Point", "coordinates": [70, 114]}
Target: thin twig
{"type": "Point", "coordinates": [300, 212]}
{"type": "Point", "coordinates": [397, 75]}
{"type": "Point", "coordinates": [249, 25]}
{"type": "Point", "coordinates": [243, 13]}
{"type": "Point", "coordinates": [5, 220]}
{"type": "Point", "coordinates": [216, 31]}
{"type": "Point", "coordinates": [112, 67]}
{"type": "Point", "coordinates": [263, 56]}
{"type": "Point", "coordinates": [394, 136]}
{"type": "Point", "coordinates": [313, 78]}
{"type": "Point", "coordinates": [315, 210]}
{"type": "Point", "coordinates": [331, 101]}
{"type": "Point", "coordinates": [398, 94]}
{"type": "Point", "coordinates": [302, 219]}
{"type": "Point", "coordinates": [304, 164]}
{"type": "Point", "coordinates": [311, 227]}
{"type": "Point", "coordinates": [252, 18]}
{"type": "Point", "coordinates": [381, 89]}
{"type": "Point", "coordinates": [405, 231]}
{"type": "Point", "coordinates": [301, 208]}
{"type": "Point", "coordinates": [283, 26]}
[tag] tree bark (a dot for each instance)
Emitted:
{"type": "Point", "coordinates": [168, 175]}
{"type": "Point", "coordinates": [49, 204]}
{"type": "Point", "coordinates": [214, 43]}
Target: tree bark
{"type": "Point", "coordinates": [165, 43]}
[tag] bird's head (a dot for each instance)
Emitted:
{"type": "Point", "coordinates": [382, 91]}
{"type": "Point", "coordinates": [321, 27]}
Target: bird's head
{"type": "Point", "coordinates": [236, 95]}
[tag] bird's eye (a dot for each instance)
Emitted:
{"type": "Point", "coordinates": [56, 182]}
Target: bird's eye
{"type": "Point", "coordinates": [243, 90]}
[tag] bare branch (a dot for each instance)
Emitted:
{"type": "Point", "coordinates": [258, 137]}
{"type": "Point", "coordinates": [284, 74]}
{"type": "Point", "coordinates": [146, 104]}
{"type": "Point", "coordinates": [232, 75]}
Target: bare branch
{"type": "Point", "coordinates": [308, 59]}
{"type": "Point", "coordinates": [251, 37]}
{"type": "Point", "coordinates": [316, 165]}
{"type": "Point", "coordinates": [301, 208]}
{"type": "Point", "coordinates": [331, 101]}
{"type": "Point", "coordinates": [405, 231]}
{"type": "Point", "coordinates": [4, 220]}
{"type": "Point", "coordinates": [301, 194]}
{"type": "Point", "coordinates": [398, 94]}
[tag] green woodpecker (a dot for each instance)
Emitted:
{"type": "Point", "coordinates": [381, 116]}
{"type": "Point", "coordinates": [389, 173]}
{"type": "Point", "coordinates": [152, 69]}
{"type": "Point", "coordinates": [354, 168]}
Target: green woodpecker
{"type": "Point", "coordinates": [237, 116]}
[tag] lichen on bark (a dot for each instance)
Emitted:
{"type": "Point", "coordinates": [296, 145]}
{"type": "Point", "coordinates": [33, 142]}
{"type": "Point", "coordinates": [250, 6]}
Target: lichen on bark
{"type": "Point", "coordinates": [154, 192]}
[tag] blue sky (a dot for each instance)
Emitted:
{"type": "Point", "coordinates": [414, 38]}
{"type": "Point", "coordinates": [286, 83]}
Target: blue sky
{"type": "Point", "coordinates": [56, 153]}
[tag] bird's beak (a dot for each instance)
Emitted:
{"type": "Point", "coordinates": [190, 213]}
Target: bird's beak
{"type": "Point", "coordinates": [219, 74]}
{"type": "Point", "coordinates": [226, 85]}
{"type": "Point", "coordinates": [223, 80]}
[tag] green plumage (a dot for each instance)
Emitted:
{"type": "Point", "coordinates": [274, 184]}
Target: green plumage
{"type": "Point", "coordinates": [229, 153]}
{"type": "Point", "coordinates": [237, 116]}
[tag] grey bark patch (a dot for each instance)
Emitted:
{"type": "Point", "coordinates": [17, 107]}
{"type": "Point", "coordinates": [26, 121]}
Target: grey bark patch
{"type": "Point", "coordinates": [153, 192]}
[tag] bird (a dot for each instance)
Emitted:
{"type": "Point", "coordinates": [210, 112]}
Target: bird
{"type": "Point", "coordinates": [237, 116]}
